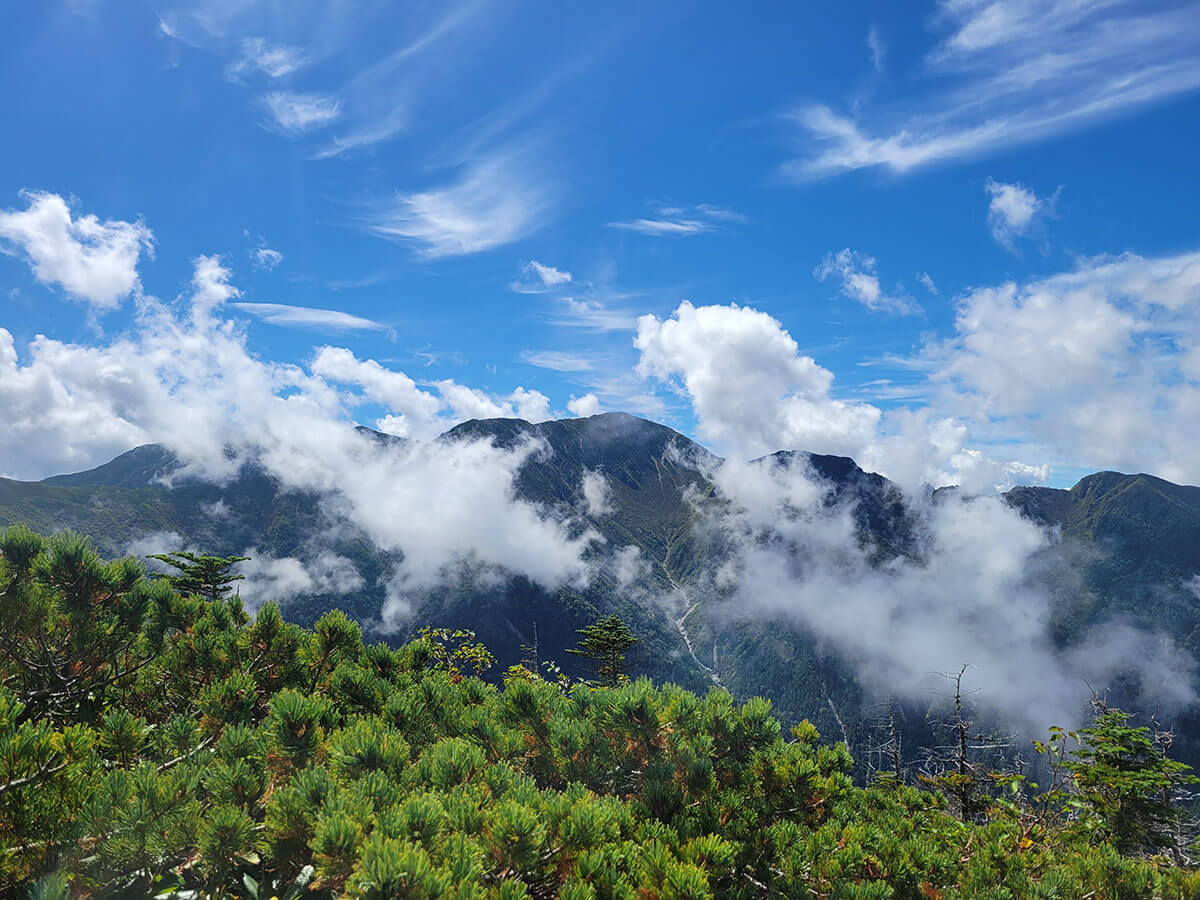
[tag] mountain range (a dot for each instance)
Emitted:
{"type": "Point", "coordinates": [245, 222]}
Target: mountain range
{"type": "Point", "coordinates": [1125, 548]}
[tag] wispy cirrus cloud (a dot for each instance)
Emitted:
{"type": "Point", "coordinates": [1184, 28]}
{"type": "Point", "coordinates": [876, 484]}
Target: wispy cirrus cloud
{"type": "Point", "coordinates": [272, 60]}
{"type": "Point", "coordinates": [876, 47]}
{"type": "Point", "coordinates": [308, 317]}
{"type": "Point", "coordinates": [1010, 72]}
{"type": "Point", "coordinates": [557, 361]}
{"type": "Point", "coordinates": [593, 315]}
{"type": "Point", "coordinates": [375, 101]}
{"type": "Point", "coordinates": [497, 199]}
{"type": "Point", "coordinates": [294, 114]}
{"type": "Point", "coordinates": [680, 221]}
{"type": "Point", "coordinates": [381, 97]}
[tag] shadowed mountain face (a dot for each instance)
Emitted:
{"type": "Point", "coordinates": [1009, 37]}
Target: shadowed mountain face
{"type": "Point", "coordinates": [1137, 539]}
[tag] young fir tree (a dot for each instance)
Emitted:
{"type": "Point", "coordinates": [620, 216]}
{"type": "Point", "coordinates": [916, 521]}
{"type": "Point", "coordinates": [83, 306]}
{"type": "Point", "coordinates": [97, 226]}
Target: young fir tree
{"type": "Point", "coordinates": [1128, 784]}
{"type": "Point", "coordinates": [206, 576]}
{"type": "Point", "coordinates": [605, 644]}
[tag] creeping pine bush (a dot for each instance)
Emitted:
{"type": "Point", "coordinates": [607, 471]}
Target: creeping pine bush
{"type": "Point", "coordinates": [156, 743]}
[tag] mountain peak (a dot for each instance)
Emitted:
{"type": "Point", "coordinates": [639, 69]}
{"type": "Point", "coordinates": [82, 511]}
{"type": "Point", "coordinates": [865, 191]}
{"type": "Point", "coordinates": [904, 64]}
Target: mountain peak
{"type": "Point", "coordinates": [135, 468]}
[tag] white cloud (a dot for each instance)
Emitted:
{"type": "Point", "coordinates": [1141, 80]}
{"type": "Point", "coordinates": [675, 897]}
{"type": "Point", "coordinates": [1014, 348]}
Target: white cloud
{"type": "Point", "coordinates": [266, 258]}
{"type": "Point", "coordinates": [497, 200]}
{"type": "Point", "coordinates": [548, 275]}
{"type": "Point", "coordinates": [675, 221]}
{"type": "Point", "coordinates": [416, 412]}
{"type": "Point", "coordinates": [927, 282]}
{"type": "Point", "coordinates": [293, 113]}
{"type": "Point", "coordinates": [1013, 210]}
{"type": "Point", "coordinates": [877, 48]}
{"type": "Point", "coordinates": [156, 542]}
{"type": "Point", "coordinates": [1098, 365]}
{"type": "Point", "coordinates": [211, 288]}
{"type": "Point", "coordinates": [1017, 71]}
{"type": "Point", "coordinates": [280, 579]}
{"type": "Point", "coordinates": [308, 317]}
{"type": "Point", "coordinates": [597, 495]}
{"type": "Point", "coordinates": [412, 410]}
{"type": "Point", "coordinates": [587, 405]}
{"type": "Point", "coordinates": [273, 60]}
{"type": "Point", "coordinates": [382, 97]}
{"type": "Point", "coordinates": [860, 282]}
{"type": "Point", "coordinates": [973, 598]}
{"type": "Point", "coordinates": [91, 260]}
{"type": "Point", "coordinates": [558, 362]}
{"type": "Point", "coordinates": [751, 389]}
{"type": "Point", "coordinates": [472, 403]}
{"type": "Point", "coordinates": [532, 406]}
{"type": "Point", "coordinates": [665, 227]}
{"type": "Point", "coordinates": [753, 392]}
{"type": "Point", "coordinates": [593, 315]}
{"type": "Point", "coordinates": [190, 383]}
{"type": "Point", "coordinates": [537, 278]}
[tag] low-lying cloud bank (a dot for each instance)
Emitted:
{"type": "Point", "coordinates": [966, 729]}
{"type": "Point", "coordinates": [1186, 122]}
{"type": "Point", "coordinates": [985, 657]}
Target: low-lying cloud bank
{"type": "Point", "coordinates": [972, 592]}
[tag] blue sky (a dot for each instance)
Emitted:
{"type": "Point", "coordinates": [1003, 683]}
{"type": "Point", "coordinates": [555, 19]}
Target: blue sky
{"type": "Point", "coordinates": [977, 220]}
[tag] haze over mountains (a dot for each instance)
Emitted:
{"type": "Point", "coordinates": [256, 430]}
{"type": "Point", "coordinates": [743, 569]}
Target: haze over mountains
{"type": "Point", "coordinates": [797, 576]}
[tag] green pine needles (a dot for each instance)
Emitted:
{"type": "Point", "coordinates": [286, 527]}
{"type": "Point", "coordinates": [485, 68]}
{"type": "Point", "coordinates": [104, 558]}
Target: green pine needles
{"type": "Point", "coordinates": [606, 644]}
{"type": "Point", "coordinates": [157, 741]}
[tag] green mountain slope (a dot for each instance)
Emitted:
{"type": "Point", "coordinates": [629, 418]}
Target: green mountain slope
{"type": "Point", "coordinates": [1137, 539]}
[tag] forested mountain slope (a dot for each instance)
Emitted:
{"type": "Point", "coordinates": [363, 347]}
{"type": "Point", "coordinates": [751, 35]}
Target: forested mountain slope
{"type": "Point", "coordinates": [1135, 541]}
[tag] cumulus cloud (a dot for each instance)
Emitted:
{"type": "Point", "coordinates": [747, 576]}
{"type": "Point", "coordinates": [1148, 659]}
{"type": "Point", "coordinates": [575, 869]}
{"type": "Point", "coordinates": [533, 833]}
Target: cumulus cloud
{"type": "Point", "coordinates": [587, 405]}
{"type": "Point", "coordinates": [859, 281]}
{"type": "Point", "coordinates": [412, 411]}
{"type": "Point", "coordinates": [415, 411]}
{"type": "Point", "coordinates": [472, 403]}
{"type": "Point", "coordinates": [1098, 365]}
{"type": "Point", "coordinates": [1013, 210]}
{"type": "Point", "coordinates": [293, 113]}
{"type": "Point", "coordinates": [753, 392]}
{"type": "Point", "coordinates": [93, 261]}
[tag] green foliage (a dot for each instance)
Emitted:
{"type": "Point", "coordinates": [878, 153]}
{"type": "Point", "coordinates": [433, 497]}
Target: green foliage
{"type": "Point", "coordinates": [1127, 784]}
{"type": "Point", "coordinates": [184, 750]}
{"type": "Point", "coordinates": [206, 576]}
{"type": "Point", "coordinates": [605, 644]}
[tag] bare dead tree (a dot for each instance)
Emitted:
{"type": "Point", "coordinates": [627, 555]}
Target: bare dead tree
{"type": "Point", "coordinates": [956, 768]}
